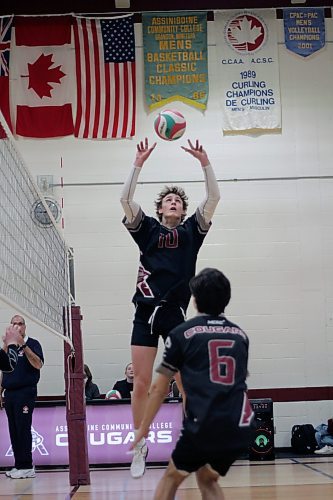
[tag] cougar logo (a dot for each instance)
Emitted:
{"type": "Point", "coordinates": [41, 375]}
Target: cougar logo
{"type": "Point", "coordinates": [142, 284]}
{"type": "Point", "coordinates": [37, 444]}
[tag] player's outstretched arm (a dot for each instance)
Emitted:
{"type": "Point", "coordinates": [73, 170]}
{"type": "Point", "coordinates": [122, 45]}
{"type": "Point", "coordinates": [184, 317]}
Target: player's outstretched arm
{"type": "Point", "coordinates": [157, 394]}
{"type": "Point", "coordinates": [209, 203]}
{"type": "Point", "coordinates": [131, 208]}
{"type": "Point", "coordinates": [143, 151]}
{"type": "Point", "coordinates": [198, 152]}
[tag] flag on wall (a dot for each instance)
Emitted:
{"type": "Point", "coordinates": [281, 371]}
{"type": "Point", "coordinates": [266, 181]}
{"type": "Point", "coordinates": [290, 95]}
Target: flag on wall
{"type": "Point", "coordinates": [249, 70]}
{"type": "Point", "coordinates": [105, 71]}
{"type": "Point", "coordinates": [3, 134]}
{"type": "Point", "coordinates": [41, 71]}
{"type": "Point", "coordinates": [304, 30]}
{"type": "Point", "coordinates": [175, 58]}
{"type": "Point", "coordinates": [5, 35]}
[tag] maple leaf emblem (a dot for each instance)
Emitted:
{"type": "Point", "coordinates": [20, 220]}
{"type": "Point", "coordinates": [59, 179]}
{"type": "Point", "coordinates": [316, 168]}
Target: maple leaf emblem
{"type": "Point", "coordinates": [41, 74]}
{"type": "Point", "coordinates": [246, 32]}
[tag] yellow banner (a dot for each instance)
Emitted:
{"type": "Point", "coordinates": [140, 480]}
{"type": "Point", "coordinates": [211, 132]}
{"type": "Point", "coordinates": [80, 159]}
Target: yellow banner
{"type": "Point", "coordinates": [175, 58]}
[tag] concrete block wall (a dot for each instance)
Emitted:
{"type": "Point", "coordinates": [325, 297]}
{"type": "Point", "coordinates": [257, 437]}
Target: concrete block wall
{"type": "Point", "coordinates": [272, 231]}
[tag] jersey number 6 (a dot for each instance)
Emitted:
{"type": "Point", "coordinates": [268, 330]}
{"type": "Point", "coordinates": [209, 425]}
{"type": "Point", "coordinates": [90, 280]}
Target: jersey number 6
{"type": "Point", "coordinates": [222, 367]}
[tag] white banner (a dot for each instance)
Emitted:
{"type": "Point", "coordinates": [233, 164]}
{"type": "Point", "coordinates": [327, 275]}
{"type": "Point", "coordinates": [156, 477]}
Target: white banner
{"type": "Point", "coordinates": [247, 54]}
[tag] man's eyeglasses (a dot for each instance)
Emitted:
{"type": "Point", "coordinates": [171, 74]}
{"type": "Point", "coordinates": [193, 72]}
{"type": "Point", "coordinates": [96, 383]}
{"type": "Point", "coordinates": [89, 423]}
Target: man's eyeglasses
{"type": "Point", "coordinates": [19, 323]}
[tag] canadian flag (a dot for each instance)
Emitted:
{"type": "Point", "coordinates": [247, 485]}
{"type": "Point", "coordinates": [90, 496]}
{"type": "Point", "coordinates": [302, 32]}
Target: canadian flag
{"type": "Point", "coordinates": [42, 77]}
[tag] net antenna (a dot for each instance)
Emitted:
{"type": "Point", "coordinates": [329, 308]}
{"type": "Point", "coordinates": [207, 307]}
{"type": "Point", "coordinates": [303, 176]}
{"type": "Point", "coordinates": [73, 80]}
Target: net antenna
{"type": "Point", "coordinates": [34, 260]}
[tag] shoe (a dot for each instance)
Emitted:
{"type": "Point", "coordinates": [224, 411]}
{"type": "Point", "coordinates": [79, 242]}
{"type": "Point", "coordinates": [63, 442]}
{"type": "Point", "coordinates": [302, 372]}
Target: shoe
{"type": "Point", "coordinates": [138, 464]}
{"type": "Point", "coordinates": [23, 473]}
{"type": "Point", "coordinates": [327, 450]}
{"type": "Point", "coordinates": [10, 472]}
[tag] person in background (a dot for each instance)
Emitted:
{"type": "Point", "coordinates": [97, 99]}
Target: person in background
{"type": "Point", "coordinates": [91, 390]}
{"type": "Point", "coordinates": [324, 438]}
{"type": "Point", "coordinates": [211, 354]}
{"type": "Point", "coordinates": [12, 341]}
{"type": "Point", "coordinates": [173, 391]}
{"type": "Point", "coordinates": [169, 246]}
{"type": "Point", "coordinates": [20, 395]}
{"type": "Point", "coordinates": [125, 386]}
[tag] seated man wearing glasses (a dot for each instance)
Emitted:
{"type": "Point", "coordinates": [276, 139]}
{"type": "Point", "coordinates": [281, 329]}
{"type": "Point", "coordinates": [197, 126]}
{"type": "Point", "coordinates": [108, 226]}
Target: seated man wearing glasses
{"type": "Point", "coordinates": [20, 394]}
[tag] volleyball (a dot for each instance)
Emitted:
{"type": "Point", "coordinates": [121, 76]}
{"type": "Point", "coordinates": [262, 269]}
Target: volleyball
{"type": "Point", "coordinates": [113, 394]}
{"type": "Point", "coordinates": [170, 124]}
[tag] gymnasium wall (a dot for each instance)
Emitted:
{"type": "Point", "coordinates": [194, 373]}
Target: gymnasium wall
{"type": "Point", "coordinates": [271, 234]}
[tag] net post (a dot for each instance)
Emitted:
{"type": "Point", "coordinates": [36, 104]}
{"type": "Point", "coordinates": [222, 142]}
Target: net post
{"type": "Point", "coordinates": [75, 405]}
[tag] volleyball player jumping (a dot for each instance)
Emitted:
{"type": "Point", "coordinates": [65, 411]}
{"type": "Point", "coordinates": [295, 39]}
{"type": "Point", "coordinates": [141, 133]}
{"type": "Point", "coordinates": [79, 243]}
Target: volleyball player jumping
{"type": "Point", "coordinates": [168, 253]}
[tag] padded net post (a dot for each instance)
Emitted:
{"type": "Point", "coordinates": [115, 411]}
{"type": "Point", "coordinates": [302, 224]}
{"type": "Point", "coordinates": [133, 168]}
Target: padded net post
{"type": "Point", "coordinates": [76, 405]}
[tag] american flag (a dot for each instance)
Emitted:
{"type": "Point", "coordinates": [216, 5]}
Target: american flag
{"type": "Point", "coordinates": [105, 72]}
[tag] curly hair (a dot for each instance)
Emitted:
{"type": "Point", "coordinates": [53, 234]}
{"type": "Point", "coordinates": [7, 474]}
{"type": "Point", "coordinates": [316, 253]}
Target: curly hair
{"type": "Point", "coordinates": [174, 190]}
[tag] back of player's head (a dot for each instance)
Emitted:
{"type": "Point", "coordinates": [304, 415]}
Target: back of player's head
{"type": "Point", "coordinates": [211, 291]}
{"type": "Point", "coordinates": [174, 190]}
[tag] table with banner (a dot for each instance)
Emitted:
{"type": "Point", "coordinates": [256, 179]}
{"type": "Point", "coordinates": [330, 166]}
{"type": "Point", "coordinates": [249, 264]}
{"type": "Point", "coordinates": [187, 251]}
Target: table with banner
{"type": "Point", "coordinates": [109, 433]}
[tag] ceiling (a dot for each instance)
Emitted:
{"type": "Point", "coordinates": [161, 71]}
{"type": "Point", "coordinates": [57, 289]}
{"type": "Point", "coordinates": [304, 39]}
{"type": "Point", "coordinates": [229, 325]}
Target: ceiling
{"type": "Point", "coordinates": [109, 6]}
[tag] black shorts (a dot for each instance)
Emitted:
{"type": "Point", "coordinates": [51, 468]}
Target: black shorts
{"type": "Point", "coordinates": [189, 455]}
{"type": "Point", "coordinates": [149, 323]}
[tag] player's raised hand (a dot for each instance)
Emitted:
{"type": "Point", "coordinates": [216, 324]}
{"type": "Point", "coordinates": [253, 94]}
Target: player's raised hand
{"type": "Point", "coordinates": [13, 336]}
{"type": "Point", "coordinates": [198, 152]}
{"type": "Point", "coordinates": [143, 152]}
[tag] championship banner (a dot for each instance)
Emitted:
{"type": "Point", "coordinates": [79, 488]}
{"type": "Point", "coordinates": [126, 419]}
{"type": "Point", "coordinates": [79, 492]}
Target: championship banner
{"type": "Point", "coordinates": [246, 44]}
{"type": "Point", "coordinates": [175, 58]}
{"type": "Point", "coordinates": [304, 30]}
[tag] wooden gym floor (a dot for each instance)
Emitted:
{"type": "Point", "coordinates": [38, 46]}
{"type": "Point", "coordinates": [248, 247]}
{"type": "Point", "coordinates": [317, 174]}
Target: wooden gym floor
{"type": "Point", "coordinates": [282, 479]}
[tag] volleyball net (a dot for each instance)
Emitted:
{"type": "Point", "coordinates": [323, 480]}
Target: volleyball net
{"type": "Point", "coordinates": [35, 278]}
{"type": "Point", "coordinates": [34, 259]}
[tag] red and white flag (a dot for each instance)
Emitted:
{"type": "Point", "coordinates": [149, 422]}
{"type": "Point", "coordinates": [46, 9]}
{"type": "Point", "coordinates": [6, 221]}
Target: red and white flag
{"type": "Point", "coordinates": [105, 71]}
{"type": "Point", "coordinates": [42, 80]}
{"type": "Point", "coordinates": [5, 36]}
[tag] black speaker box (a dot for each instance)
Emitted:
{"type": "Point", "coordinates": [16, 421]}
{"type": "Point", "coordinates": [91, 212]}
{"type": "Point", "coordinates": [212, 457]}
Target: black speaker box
{"type": "Point", "coordinates": [262, 442]}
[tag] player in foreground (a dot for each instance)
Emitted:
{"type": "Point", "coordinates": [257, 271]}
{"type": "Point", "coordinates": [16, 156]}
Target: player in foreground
{"type": "Point", "coordinates": [211, 354]}
{"type": "Point", "coordinates": [168, 253]}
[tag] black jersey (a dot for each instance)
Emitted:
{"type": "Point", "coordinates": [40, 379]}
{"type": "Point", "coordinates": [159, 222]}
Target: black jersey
{"type": "Point", "coordinates": [8, 360]}
{"type": "Point", "coordinates": [167, 257]}
{"type": "Point", "coordinates": [124, 387]}
{"type": "Point", "coordinates": [211, 354]}
{"type": "Point", "coordinates": [24, 375]}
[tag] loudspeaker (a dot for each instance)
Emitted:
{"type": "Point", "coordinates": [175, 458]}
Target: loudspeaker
{"type": "Point", "coordinates": [262, 442]}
